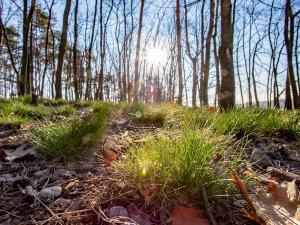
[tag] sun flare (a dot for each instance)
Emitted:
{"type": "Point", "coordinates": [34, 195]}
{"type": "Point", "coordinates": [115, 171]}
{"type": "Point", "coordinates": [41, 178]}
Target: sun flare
{"type": "Point", "coordinates": [155, 56]}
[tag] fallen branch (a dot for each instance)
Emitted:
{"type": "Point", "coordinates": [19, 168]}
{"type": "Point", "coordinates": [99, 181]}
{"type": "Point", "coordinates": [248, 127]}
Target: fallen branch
{"type": "Point", "coordinates": [208, 208]}
{"type": "Point", "coordinates": [283, 175]}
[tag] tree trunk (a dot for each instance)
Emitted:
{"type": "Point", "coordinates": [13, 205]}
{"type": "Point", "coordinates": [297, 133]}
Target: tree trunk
{"type": "Point", "coordinates": [75, 72]}
{"type": "Point", "coordinates": [125, 49]}
{"type": "Point", "coordinates": [46, 49]}
{"type": "Point", "coordinates": [194, 59]}
{"type": "Point", "coordinates": [137, 54]}
{"type": "Point", "coordinates": [89, 63]}
{"type": "Point", "coordinates": [289, 43]}
{"type": "Point", "coordinates": [204, 80]}
{"type": "Point", "coordinates": [215, 51]}
{"type": "Point", "coordinates": [179, 52]}
{"type": "Point", "coordinates": [62, 50]}
{"type": "Point", "coordinates": [227, 89]}
{"type": "Point", "coordinates": [24, 79]}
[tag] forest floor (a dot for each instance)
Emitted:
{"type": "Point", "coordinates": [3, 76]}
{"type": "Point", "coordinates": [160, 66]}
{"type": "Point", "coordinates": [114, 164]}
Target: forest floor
{"type": "Point", "coordinates": [98, 163]}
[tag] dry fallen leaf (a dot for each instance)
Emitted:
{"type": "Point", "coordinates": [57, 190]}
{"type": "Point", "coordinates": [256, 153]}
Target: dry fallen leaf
{"type": "Point", "coordinates": [271, 186]}
{"type": "Point", "coordinates": [110, 156]}
{"type": "Point", "coordinates": [71, 184]}
{"type": "Point", "coordinates": [187, 216]}
{"type": "Point", "coordinates": [280, 205]}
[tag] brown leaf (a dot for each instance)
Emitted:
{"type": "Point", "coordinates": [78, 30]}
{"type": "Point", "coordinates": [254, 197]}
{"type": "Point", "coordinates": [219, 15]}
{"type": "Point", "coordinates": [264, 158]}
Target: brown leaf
{"type": "Point", "coordinates": [271, 186]}
{"type": "Point", "coordinates": [110, 156]}
{"type": "Point", "coordinates": [187, 216]}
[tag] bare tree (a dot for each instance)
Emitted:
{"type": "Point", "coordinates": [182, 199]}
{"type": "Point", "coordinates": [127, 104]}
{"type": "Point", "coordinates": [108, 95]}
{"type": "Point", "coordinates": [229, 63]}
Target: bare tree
{"type": "Point", "coordinates": [62, 49]}
{"type": "Point", "coordinates": [289, 27]}
{"type": "Point", "coordinates": [205, 74]}
{"type": "Point", "coordinates": [179, 52]}
{"type": "Point", "coordinates": [193, 58]}
{"type": "Point", "coordinates": [227, 89]}
{"type": "Point", "coordinates": [24, 81]}
{"type": "Point", "coordinates": [137, 53]}
{"type": "Point", "coordinates": [75, 73]}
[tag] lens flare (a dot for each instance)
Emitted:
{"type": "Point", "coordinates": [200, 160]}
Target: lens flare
{"type": "Point", "coordinates": [156, 56]}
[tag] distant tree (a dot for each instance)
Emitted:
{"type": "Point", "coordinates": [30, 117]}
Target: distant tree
{"type": "Point", "coordinates": [205, 74]}
{"type": "Point", "coordinates": [193, 57]}
{"type": "Point", "coordinates": [179, 52]}
{"type": "Point", "coordinates": [75, 72]}
{"type": "Point", "coordinates": [24, 80]}
{"type": "Point", "coordinates": [89, 60]}
{"type": "Point", "coordinates": [137, 53]}
{"type": "Point", "coordinates": [46, 47]}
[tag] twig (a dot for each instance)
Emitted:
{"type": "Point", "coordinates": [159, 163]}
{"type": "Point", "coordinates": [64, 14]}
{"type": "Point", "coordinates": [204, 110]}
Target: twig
{"type": "Point", "coordinates": [208, 208]}
{"type": "Point", "coordinates": [283, 175]}
{"type": "Point", "coordinates": [49, 210]}
{"type": "Point", "coordinates": [2, 210]}
{"type": "Point", "coordinates": [73, 212]}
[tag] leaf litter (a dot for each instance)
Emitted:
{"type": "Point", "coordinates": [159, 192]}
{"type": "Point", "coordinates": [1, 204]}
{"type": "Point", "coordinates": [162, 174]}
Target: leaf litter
{"type": "Point", "coordinates": [88, 190]}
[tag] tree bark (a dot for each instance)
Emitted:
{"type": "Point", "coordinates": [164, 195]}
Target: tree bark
{"type": "Point", "coordinates": [227, 89]}
{"type": "Point", "coordinates": [62, 50]}
{"type": "Point", "coordinates": [89, 62]}
{"type": "Point", "coordinates": [179, 52]}
{"type": "Point", "coordinates": [289, 43]}
{"type": "Point", "coordinates": [204, 80]}
{"type": "Point", "coordinates": [75, 72]}
{"type": "Point", "coordinates": [24, 79]}
{"type": "Point", "coordinates": [215, 51]}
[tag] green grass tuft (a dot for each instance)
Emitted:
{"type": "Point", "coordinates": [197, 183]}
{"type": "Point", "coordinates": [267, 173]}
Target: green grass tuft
{"type": "Point", "coordinates": [243, 122]}
{"type": "Point", "coordinates": [64, 110]}
{"type": "Point", "coordinates": [33, 112]}
{"type": "Point", "coordinates": [54, 102]}
{"type": "Point", "coordinates": [191, 160]}
{"type": "Point", "coordinates": [66, 139]}
{"type": "Point", "coordinates": [144, 114]}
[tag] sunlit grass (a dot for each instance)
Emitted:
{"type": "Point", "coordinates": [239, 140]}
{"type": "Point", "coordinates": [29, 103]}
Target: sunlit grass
{"type": "Point", "coordinates": [200, 147]}
{"type": "Point", "coordinates": [144, 114]}
{"type": "Point", "coordinates": [188, 159]}
{"type": "Point", "coordinates": [243, 122]}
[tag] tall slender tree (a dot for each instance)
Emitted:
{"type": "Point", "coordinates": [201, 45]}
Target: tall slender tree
{"type": "Point", "coordinates": [62, 50]}
{"type": "Point", "coordinates": [75, 72]}
{"type": "Point", "coordinates": [205, 74]}
{"type": "Point", "coordinates": [179, 52]}
{"type": "Point", "coordinates": [291, 85]}
{"type": "Point", "coordinates": [227, 88]}
{"type": "Point", "coordinates": [24, 80]}
{"type": "Point", "coordinates": [137, 53]}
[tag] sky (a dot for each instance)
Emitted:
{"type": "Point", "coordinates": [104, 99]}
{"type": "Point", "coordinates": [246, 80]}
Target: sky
{"type": "Point", "coordinates": [162, 11]}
